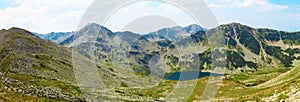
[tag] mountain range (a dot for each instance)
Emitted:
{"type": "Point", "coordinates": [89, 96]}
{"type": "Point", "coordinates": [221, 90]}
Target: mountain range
{"type": "Point", "coordinates": [134, 66]}
{"type": "Point", "coordinates": [261, 53]}
{"type": "Point", "coordinates": [248, 48]}
{"type": "Point", "coordinates": [55, 36]}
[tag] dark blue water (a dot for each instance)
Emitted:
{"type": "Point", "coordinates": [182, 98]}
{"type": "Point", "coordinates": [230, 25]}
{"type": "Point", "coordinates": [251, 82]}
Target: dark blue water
{"type": "Point", "coordinates": [190, 75]}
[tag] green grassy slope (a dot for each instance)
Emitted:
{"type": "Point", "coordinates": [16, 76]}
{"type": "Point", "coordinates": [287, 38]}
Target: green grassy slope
{"type": "Point", "coordinates": [35, 69]}
{"type": "Point", "coordinates": [293, 74]}
{"type": "Point", "coordinates": [279, 84]}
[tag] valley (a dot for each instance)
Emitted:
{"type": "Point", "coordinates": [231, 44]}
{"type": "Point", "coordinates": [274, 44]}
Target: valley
{"type": "Point", "coordinates": [235, 61]}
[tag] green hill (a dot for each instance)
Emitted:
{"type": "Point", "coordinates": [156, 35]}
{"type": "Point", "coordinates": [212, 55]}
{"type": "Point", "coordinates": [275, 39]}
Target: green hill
{"type": "Point", "coordinates": [31, 66]}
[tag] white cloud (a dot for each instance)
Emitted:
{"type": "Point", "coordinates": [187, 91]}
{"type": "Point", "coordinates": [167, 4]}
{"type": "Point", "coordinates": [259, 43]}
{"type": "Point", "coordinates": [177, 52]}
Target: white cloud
{"type": "Point", "coordinates": [137, 10]}
{"type": "Point", "coordinates": [213, 5]}
{"type": "Point", "coordinates": [262, 5]}
{"type": "Point", "coordinates": [258, 5]}
{"type": "Point", "coordinates": [64, 15]}
{"type": "Point", "coordinates": [44, 16]}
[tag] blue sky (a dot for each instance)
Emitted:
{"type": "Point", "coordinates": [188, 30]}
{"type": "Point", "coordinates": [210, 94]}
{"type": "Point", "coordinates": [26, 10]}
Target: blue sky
{"type": "Point", "coordinates": [63, 15]}
{"type": "Point", "coordinates": [6, 3]}
{"type": "Point", "coordinates": [285, 2]}
{"type": "Point", "coordinates": [275, 14]}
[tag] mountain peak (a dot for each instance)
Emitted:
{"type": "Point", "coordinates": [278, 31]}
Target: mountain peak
{"type": "Point", "coordinates": [93, 24]}
{"type": "Point", "coordinates": [20, 31]}
{"type": "Point", "coordinates": [193, 25]}
{"type": "Point", "coordinates": [235, 24]}
{"type": "Point", "coordinates": [16, 29]}
{"type": "Point", "coordinates": [178, 32]}
{"type": "Point", "coordinates": [91, 30]}
{"type": "Point", "coordinates": [193, 28]}
{"type": "Point", "coordinates": [96, 26]}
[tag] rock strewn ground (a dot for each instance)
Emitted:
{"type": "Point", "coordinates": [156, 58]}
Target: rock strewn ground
{"type": "Point", "coordinates": [40, 91]}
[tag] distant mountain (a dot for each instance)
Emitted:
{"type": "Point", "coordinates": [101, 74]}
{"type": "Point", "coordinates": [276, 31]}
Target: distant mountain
{"type": "Point", "coordinates": [56, 36]}
{"type": "Point", "coordinates": [91, 30]}
{"type": "Point", "coordinates": [174, 33]}
{"type": "Point", "coordinates": [177, 33]}
{"type": "Point", "coordinates": [194, 28]}
{"type": "Point", "coordinates": [127, 36]}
